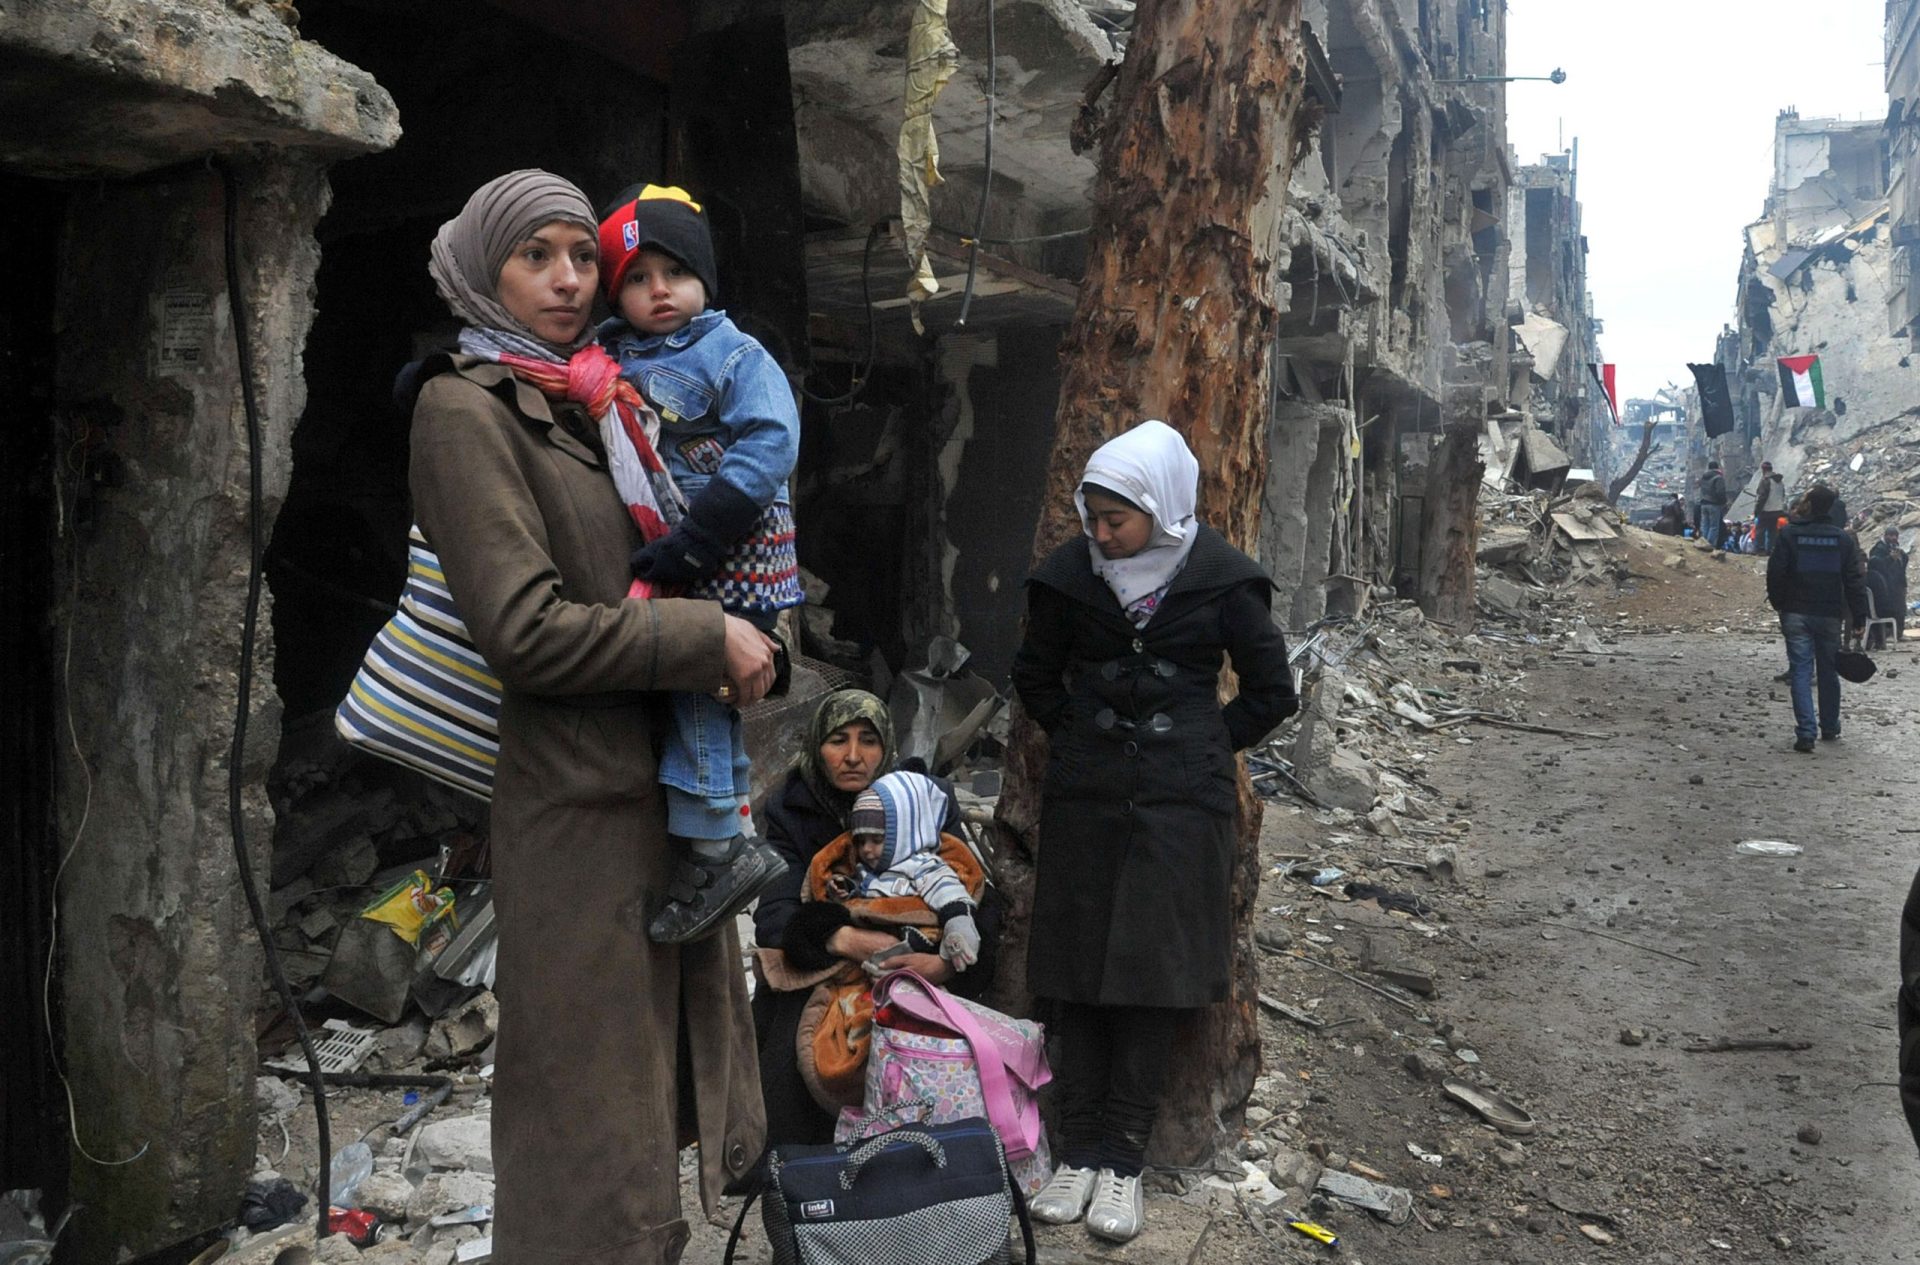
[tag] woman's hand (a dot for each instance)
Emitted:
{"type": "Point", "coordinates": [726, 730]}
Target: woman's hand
{"type": "Point", "coordinates": [929, 966]}
{"type": "Point", "coordinates": [857, 944]}
{"type": "Point", "coordinates": [749, 663]}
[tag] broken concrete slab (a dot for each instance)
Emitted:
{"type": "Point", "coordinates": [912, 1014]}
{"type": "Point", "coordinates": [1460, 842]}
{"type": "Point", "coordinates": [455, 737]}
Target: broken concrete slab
{"type": "Point", "coordinates": [1504, 596]}
{"type": "Point", "coordinates": [1506, 542]}
{"type": "Point", "coordinates": [459, 1142]}
{"type": "Point", "coordinates": [1347, 781]}
{"type": "Point", "coordinates": [1392, 1204]}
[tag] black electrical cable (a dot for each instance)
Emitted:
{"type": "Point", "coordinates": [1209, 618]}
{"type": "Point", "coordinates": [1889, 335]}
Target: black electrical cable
{"type": "Point", "coordinates": [236, 755]}
{"type": "Point", "coordinates": [866, 301]}
{"type": "Point", "coordinates": [986, 180]}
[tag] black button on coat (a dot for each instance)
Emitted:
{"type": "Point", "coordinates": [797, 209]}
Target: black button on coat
{"type": "Point", "coordinates": [1138, 811]}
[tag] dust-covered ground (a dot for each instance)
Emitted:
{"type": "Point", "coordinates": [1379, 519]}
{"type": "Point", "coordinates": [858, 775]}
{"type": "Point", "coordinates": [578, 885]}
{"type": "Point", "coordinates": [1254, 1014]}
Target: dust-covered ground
{"type": "Point", "coordinates": [1612, 907]}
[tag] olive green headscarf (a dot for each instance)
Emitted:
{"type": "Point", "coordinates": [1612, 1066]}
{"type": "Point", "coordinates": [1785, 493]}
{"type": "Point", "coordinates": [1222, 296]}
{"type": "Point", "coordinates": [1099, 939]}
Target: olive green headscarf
{"type": "Point", "coordinates": [842, 707]}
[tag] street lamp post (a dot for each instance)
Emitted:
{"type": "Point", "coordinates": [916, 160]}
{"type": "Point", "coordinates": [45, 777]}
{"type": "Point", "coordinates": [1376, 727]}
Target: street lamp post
{"type": "Point", "coordinates": [1558, 76]}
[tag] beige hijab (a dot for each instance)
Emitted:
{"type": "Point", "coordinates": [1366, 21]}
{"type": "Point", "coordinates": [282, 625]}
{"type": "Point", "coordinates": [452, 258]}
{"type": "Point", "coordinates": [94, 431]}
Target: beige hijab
{"type": "Point", "coordinates": [472, 247]}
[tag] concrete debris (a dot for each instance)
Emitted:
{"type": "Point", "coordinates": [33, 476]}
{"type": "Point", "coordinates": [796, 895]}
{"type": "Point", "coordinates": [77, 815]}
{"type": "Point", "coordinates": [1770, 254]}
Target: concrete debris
{"type": "Point", "coordinates": [460, 1142]}
{"type": "Point", "coordinates": [465, 1033]}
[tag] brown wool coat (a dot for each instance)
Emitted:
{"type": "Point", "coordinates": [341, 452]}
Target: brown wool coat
{"type": "Point", "coordinates": [587, 1104]}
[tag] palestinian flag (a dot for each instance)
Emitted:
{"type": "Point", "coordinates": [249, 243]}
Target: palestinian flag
{"type": "Point", "coordinates": [1800, 382]}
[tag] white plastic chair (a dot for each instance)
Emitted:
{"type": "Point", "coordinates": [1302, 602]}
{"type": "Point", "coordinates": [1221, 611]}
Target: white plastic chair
{"type": "Point", "coordinates": [1877, 620]}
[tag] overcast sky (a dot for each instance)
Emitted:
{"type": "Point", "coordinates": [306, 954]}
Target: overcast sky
{"type": "Point", "coordinates": [1673, 102]}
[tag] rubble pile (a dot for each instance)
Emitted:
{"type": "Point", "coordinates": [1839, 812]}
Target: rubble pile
{"type": "Point", "coordinates": [1535, 543]}
{"type": "Point", "coordinates": [412, 1170]}
{"type": "Point", "coordinates": [348, 825]}
{"type": "Point", "coordinates": [1877, 474]}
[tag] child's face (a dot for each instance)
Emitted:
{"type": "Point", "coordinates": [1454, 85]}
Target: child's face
{"type": "Point", "coordinates": [660, 294]}
{"type": "Point", "coordinates": [870, 849]}
{"type": "Point", "coordinates": [1119, 529]}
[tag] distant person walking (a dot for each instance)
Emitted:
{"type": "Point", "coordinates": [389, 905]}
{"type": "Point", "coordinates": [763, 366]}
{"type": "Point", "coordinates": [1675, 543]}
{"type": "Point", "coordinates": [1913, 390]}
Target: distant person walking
{"type": "Point", "coordinates": [1769, 499]}
{"type": "Point", "coordinates": [1713, 503]}
{"type": "Point", "coordinates": [1815, 579]}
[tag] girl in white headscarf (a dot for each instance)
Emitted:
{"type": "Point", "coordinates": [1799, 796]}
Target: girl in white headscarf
{"type": "Point", "coordinates": [1126, 634]}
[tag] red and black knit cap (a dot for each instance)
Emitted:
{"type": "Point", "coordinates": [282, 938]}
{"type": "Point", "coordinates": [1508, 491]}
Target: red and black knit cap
{"type": "Point", "coordinates": [664, 217]}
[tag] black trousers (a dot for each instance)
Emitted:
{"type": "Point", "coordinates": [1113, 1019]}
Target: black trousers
{"type": "Point", "coordinates": [1110, 1076]}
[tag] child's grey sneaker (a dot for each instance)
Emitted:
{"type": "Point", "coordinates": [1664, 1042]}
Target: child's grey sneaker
{"type": "Point", "coordinates": [705, 893]}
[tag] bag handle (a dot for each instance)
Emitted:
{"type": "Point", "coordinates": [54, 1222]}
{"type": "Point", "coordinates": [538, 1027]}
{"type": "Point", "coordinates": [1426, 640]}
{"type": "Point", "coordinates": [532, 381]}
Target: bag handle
{"type": "Point", "coordinates": [857, 1159]}
{"type": "Point", "coordinates": [1020, 1210]}
{"type": "Point", "coordinates": [1021, 1136]}
{"type": "Point", "coordinates": [739, 1223]}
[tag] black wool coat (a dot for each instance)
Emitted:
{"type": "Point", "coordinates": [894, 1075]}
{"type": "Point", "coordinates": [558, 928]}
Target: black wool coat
{"type": "Point", "coordinates": [1139, 806]}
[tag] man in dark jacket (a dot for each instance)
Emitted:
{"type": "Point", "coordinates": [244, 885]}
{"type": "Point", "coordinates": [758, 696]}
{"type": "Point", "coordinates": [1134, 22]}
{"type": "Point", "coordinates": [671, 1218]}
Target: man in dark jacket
{"type": "Point", "coordinates": [1816, 579]}
{"type": "Point", "coordinates": [1713, 503]}
{"type": "Point", "coordinates": [1769, 499]}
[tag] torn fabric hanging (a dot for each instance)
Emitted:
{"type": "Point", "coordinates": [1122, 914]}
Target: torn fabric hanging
{"type": "Point", "coordinates": [1716, 402]}
{"type": "Point", "coordinates": [1603, 374]}
{"type": "Point", "coordinates": [1801, 385]}
{"type": "Point", "coordinates": [932, 57]}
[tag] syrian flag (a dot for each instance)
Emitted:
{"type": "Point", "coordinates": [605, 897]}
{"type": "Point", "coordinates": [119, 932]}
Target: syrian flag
{"type": "Point", "coordinates": [1800, 383]}
{"type": "Point", "coordinates": [1603, 375]}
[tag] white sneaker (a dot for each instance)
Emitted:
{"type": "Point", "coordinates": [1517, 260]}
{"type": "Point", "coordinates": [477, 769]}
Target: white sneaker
{"type": "Point", "coordinates": [1064, 1198]}
{"type": "Point", "coordinates": [1117, 1212]}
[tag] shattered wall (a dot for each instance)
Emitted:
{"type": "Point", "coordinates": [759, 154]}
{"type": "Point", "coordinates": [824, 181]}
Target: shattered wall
{"type": "Point", "coordinates": [157, 972]}
{"type": "Point", "coordinates": [1903, 156]}
{"type": "Point", "coordinates": [1557, 334]}
{"type": "Point", "coordinates": [1817, 275]}
{"type": "Point", "coordinates": [1397, 287]}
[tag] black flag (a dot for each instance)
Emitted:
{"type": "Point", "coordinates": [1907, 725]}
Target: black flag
{"type": "Point", "coordinates": [1716, 402]}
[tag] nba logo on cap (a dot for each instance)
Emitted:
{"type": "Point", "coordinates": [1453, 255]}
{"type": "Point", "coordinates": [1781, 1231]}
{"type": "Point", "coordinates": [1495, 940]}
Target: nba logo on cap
{"type": "Point", "coordinates": [630, 235]}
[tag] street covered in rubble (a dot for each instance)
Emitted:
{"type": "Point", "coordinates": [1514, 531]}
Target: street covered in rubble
{"type": "Point", "coordinates": [749, 632]}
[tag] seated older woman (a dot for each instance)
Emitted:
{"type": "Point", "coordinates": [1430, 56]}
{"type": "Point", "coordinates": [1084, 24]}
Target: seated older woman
{"type": "Point", "coordinates": [849, 745]}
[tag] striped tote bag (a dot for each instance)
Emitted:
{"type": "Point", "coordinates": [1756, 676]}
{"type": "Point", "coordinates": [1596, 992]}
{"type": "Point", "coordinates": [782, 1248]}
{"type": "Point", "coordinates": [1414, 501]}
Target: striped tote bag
{"type": "Point", "coordinates": [423, 696]}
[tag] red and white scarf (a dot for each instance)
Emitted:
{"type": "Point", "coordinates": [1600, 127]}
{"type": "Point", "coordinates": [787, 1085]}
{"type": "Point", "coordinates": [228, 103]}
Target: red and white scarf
{"type": "Point", "coordinates": [629, 428]}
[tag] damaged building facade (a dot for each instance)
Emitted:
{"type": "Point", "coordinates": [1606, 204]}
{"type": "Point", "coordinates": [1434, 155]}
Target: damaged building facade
{"type": "Point", "coordinates": [924, 450]}
{"type": "Point", "coordinates": [1556, 332]}
{"type": "Point", "coordinates": [1817, 276]}
{"type": "Point", "coordinates": [1396, 319]}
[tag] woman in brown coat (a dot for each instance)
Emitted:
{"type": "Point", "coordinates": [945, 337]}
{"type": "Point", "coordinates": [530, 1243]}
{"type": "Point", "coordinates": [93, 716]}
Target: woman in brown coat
{"type": "Point", "coordinates": [510, 487]}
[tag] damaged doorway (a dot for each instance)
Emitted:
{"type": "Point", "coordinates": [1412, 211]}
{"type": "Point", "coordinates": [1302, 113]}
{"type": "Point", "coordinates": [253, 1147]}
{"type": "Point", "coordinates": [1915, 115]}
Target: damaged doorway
{"type": "Point", "coordinates": [33, 1150]}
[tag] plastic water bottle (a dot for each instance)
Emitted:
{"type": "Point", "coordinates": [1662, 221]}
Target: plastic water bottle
{"type": "Point", "coordinates": [351, 1165]}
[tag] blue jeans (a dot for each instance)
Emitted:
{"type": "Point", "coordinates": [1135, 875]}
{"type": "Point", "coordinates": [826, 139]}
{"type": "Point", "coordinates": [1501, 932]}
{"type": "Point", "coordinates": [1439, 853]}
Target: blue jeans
{"type": "Point", "coordinates": [704, 768]}
{"type": "Point", "coordinates": [1712, 520]}
{"type": "Point", "coordinates": [1812, 641]}
{"type": "Point", "coordinates": [1763, 534]}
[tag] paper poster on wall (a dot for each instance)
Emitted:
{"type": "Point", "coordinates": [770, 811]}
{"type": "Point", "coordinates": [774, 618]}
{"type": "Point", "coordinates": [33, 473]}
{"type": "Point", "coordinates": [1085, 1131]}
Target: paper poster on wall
{"type": "Point", "coordinates": [184, 338]}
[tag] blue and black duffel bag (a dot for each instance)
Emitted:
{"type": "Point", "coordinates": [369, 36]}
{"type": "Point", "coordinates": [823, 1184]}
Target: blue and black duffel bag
{"type": "Point", "coordinates": [937, 1194]}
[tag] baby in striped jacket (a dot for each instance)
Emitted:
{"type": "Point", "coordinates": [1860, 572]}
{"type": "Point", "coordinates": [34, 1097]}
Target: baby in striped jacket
{"type": "Point", "coordinates": [896, 839]}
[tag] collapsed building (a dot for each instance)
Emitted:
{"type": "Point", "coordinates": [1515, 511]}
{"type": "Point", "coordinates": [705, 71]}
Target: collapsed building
{"type": "Point", "coordinates": [337, 150]}
{"type": "Point", "coordinates": [1398, 275]}
{"type": "Point", "coordinates": [1816, 277]}
{"type": "Point", "coordinates": [1554, 325]}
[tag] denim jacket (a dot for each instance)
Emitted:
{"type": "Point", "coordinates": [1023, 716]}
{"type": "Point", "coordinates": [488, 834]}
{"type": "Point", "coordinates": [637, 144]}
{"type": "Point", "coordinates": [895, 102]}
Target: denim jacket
{"type": "Point", "coordinates": [725, 407]}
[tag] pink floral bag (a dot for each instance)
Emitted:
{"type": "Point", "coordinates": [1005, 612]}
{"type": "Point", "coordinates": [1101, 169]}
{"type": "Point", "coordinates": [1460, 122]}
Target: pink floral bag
{"type": "Point", "coordinates": [986, 1065]}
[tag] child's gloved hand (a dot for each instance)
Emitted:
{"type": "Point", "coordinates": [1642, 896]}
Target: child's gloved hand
{"type": "Point", "coordinates": [719, 517]}
{"type": "Point", "coordinates": [960, 946]}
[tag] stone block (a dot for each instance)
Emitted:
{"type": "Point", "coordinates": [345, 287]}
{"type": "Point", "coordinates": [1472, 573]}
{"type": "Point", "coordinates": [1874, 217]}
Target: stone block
{"type": "Point", "coordinates": [1347, 781]}
{"type": "Point", "coordinates": [385, 1193]}
{"type": "Point", "coordinates": [1504, 543]}
{"type": "Point", "coordinates": [448, 1192]}
{"type": "Point", "coordinates": [462, 1142]}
